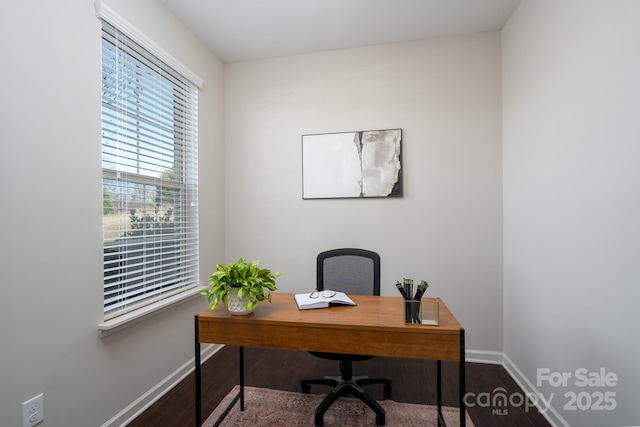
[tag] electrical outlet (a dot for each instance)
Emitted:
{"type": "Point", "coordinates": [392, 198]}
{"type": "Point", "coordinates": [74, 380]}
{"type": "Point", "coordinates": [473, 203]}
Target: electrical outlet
{"type": "Point", "coordinates": [32, 411]}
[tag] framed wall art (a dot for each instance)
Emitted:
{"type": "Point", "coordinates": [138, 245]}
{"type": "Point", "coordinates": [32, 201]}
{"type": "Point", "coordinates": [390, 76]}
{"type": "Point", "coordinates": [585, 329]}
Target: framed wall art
{"type": "Point", "coordinates": [352, 164]}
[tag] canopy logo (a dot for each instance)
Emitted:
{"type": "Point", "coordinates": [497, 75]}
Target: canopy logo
{"type": "Point", "coordinates": [500, 402]}
{"type": "Point", "coordinates": [593, 393]}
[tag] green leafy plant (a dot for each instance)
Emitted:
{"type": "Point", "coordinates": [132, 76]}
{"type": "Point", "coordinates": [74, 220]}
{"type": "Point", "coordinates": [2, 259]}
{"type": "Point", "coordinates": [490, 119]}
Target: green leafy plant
{"type": "Point", "coordinates": [241, 277]}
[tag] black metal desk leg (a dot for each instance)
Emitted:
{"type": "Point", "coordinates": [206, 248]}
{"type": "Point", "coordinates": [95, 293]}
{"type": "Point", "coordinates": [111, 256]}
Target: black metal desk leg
{"type": "Point", "coordinates": [198, 374]}
{"type": "Point", "coordinates": [241, 378]}
{"type": "Point", "coordinates": [463, 415]}
{"type": "Point", "coordinates": [439, 393]}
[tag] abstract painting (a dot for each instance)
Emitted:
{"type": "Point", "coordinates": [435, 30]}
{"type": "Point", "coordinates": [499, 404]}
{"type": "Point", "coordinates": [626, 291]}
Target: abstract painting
{"type": "Point", "coordinates": [352, 164]}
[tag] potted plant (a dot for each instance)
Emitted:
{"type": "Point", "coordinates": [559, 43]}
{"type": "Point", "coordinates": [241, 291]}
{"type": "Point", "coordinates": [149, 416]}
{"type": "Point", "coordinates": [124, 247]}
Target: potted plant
{"type": "Point", "coordinates": [240, 286]}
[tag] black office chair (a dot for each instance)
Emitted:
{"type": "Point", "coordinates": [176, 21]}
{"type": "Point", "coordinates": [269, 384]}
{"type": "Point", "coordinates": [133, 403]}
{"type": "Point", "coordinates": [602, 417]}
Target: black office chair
{"type": "Point", "coordinates": [354, 272]}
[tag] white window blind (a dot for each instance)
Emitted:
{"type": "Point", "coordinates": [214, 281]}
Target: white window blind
{"type": "Point", "coordinates": [150, 176]}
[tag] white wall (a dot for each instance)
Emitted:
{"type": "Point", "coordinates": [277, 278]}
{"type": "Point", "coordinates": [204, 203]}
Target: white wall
{"type": "Point", "coordinates": [571, 85]}
{"type": "Point", "coordinates": [447, 229]}
{"type": "Point", "coordinates": [50, 240]}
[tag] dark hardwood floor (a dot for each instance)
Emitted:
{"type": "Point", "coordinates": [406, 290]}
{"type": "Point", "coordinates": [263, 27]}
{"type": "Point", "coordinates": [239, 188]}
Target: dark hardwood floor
{"type": "Point", "coordinates": [413, 382]}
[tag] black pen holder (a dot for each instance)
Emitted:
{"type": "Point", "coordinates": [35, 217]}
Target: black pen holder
{"type": "Point", "coordinates": [423, 311]}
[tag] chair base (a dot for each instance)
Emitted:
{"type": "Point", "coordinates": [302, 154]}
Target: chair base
{"type": "Point", "coordinates": [342, 387]}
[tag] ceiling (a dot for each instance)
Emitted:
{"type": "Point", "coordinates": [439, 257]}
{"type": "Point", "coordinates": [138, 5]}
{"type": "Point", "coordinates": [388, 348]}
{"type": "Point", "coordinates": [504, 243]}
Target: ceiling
{"type": "Point", "coordinates": [242, 30]}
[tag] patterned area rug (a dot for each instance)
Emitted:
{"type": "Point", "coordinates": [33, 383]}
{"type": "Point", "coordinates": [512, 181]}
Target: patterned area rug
{"type": "Point", "coordinates": [275, 408]}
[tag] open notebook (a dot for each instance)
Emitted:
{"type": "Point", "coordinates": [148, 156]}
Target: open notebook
{"type": "Point", "coordinates": [305, 301]}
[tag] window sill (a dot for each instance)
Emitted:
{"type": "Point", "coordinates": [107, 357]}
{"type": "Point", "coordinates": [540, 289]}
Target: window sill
{"type": "Point", "coordinates": [117, 324]}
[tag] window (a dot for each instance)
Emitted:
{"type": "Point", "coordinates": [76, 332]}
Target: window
{"type": "Point", "coordinates": [149, 176]}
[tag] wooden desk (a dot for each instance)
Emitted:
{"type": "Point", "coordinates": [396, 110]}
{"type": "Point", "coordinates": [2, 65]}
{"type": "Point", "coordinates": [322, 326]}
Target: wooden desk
{"type": "Point", "coordinates": [375, 327]}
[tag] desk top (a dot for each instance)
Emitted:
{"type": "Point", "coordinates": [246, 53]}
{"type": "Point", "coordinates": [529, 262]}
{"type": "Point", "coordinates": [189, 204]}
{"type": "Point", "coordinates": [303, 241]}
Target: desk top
{"type": "Point", "coordinates": [375, 326]}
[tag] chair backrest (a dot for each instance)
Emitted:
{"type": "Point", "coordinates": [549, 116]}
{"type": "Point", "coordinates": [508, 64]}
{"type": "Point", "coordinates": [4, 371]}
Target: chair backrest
{"type": "Point", "coordinates": [349, 270]}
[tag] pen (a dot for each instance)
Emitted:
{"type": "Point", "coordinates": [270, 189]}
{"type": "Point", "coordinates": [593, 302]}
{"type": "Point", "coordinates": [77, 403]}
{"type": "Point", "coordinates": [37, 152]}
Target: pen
{"type": "Point", "coordinates": [402, 291]}
{"type": "Point", "coordinates": [422, 287]}
{"type": "Point", "coordinates": [408, 285]}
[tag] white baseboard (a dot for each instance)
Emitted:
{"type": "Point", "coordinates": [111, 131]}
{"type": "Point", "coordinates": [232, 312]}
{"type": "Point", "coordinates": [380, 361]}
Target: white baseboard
{"type": "Point", "coordinates": [483, 356]}
{"type": "Point", "coordinates": [551, 414]}
{"type": "Point", "coordinates": [137, 407]}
